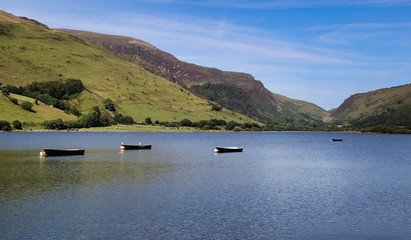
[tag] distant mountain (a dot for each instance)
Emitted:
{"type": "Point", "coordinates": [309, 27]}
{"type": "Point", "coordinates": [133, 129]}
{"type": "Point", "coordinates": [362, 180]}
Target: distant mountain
{"type": "Point", "coordinates": [143, 81]}
{"type": "Point", "coordinates": [307, 109]}
{"type": "Point", "coordinates": [383, 106]}
{"type": "Point", "coordinates": [233, 90]}
{"type": "Point", "coordinates": [31, 52]}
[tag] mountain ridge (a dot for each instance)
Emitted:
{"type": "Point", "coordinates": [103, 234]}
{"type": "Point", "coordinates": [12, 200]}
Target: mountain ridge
{"type": "Point", "coordinates": [187, 74]}
{"type": "Point", "coordinates": [153, 83]}
{"type": "Point", "coordinates": [382, 106]}
{"type": "Point", "coordinates": [33, 52]}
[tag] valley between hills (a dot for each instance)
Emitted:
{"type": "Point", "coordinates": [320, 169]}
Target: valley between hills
{"type": "Point", "coordinates": [123, 81]}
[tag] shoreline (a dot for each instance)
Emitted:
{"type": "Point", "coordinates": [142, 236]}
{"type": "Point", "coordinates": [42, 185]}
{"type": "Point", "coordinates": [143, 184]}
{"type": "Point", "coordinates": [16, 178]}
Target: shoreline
{"type": "Point", "coordinates": [154, 128]}
{"type": "Point", "coordinates": [145, 128]}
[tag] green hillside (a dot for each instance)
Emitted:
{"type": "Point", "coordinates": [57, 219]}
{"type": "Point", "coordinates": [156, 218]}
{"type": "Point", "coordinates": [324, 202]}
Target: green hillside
{"type": "Point", "coordinates": [10, 111]}
{"type": "Point", "coordinates": [307, 109]}
{"type": "Point", "coordinates": [383, 106]}
{"type": "Point", "coordinates": [211, 83]}
{"type": "Point", "coordinates": [32, 52]}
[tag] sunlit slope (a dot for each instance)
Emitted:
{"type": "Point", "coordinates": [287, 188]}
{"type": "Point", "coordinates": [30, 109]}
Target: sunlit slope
{"type": "Point", "coordinates": [255, 101]}
{"type": "Point", "coordinates": [10, 111]}
{"type": "Point", "coordinates": [307, 109]}
{"type": "Point", "coordinates": [391, 103]}
{"type": "Point", "coordinates": [33, 52]}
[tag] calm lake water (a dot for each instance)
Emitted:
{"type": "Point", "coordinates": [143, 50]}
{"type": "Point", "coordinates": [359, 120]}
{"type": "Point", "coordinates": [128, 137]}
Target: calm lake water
{"type": "Point", "coordinates": [283, 186]}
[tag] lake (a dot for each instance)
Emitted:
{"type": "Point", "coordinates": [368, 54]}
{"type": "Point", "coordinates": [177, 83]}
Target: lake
{"type": "Point", "coordinates": [282, 186]}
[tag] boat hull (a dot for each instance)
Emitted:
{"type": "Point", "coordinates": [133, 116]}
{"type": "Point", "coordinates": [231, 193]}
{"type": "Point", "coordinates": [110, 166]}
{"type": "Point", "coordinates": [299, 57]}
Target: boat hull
{"type": "Point", "coordinates": [336, 139]}
{"type": "Point", "coordinates": [228, 149]}
{"type": "Point", "coordinates": [63, 152]}
{"type": "Point", "coordinates": [135, 147]}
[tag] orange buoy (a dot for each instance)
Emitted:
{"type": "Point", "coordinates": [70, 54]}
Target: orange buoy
{"type": "Point", "coordinates": [42, 154]}
{"type": "Point", "coordinates": [216, 150]}
{"type": "Point", "coordinates": [122, 148]}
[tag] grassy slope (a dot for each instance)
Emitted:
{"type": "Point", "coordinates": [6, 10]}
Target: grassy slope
{"type": "Point", "coordinates": [363, 105]}
{"type": "Point", "coordinates": [265, 103]}
{"type": "Point", "coordinates": [33, 53]}
{"type": "Point", "coordinates": [10, 112]}
{"type": "Point", "coordinates": [303, 107]}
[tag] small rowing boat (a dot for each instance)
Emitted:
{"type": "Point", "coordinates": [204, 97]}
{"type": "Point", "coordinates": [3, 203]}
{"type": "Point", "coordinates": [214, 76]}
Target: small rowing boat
{"type": "Point", "coordinates": [61, 152]}
{"type": "Point", "coordinates": [228, 149]}
{"type": "Point", "coordinates": [336, 139]}
{"type": "Point", "coordinates": [134, 147]}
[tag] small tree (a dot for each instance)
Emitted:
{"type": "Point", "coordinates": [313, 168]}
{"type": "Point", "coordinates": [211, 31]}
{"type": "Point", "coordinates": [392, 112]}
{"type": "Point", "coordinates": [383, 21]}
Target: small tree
{"type": "Point", "coordinates": [75, 111]}
{"type": "Point", "coordinates": [13, 100]}
{"type": "Point", "coordinates": [4, 125]}
{"type": "Point", "coordinates": [186, 122]}
{"type": "Point", "coordinates": [109, 105]}
{"type": "Point", "coordinates": [148, 121]}
{"type": "Point", "coordinates": [117, 117]}
{"type": "Point", "coordinates": [216, 108]}
{"type": "Point", "coordinates": [54, 124]}
{"type": "Point", "coordinates": [231, 124]}
{"type": "Point", "coordinates": [126, 120]}
{"type": "Point", "coordinates": [73, 86]}
{"type": "Point", "coordinates": [237, 129]}
{"type": "Point", "coordinates": [17, 124]}
{"type": "Point", "coordinates": [5, 91]}
{"type": "Point", "coordinates": [27, 105]}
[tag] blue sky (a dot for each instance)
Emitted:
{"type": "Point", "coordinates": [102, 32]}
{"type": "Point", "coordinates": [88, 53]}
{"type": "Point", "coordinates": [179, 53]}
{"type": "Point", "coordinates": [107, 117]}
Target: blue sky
{"type": "Point", "coordinates": [321, 51]}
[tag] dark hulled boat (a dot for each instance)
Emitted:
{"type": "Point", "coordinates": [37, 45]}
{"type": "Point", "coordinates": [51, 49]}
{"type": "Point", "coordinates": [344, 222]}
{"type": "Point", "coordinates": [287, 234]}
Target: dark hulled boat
{"type": "Point", "coordinates": [134, 147]}
{"type": "Point", "coordinates": [228, 149]}
{"type": "Point", "coordinates": [336, 139]}
{"type": "Point", "coordinates": [63, 152]}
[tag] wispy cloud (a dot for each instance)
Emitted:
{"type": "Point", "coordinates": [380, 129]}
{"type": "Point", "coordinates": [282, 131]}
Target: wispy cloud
{"type": "Point", "coordinates": [311, 63]}
{"type": "Point", "coordinates": [349, 33]}
{"type": "Point", "coordinates": [213, 36]}
{"type": "Point", "coordinates": [217, 39]}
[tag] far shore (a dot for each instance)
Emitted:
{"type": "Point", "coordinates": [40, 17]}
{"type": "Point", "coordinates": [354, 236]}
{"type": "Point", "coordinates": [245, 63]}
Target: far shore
{"type": "Point", "coordinates": [123, 128]}
{"type": "Point", "coordinates": [147, 128]}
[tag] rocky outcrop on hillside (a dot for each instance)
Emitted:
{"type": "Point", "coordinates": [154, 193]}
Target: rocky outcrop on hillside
{"type": "Point", "coordinates": [34, 21]}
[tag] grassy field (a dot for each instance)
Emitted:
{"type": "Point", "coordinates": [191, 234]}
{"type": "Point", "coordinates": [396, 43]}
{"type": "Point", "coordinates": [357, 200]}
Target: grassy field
{"type": "Point", "coordinates": [32, 52]}
{"type": "Point", "coordinates": [10, 112]}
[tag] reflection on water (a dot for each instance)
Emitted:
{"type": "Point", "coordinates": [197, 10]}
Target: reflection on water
{"type": "Point", "coordinates": [283, 186]}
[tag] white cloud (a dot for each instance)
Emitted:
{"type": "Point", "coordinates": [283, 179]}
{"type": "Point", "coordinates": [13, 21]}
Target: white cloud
{"type": "Point", "coordinates": [349, 33]}
{"type": "Point", "coordinates": [301, 66]}
{"type": "Point", "coordinates": [210, 39]}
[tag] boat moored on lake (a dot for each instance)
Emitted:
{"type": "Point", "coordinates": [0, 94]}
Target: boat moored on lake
{"type": "Point", "coordinates": [336, 139]}
{"type": "Point", "coordinates": [61, 152]}
{"type": "Point", "coordinates": [134, 147]}
{"type": "Point", "coordinates": [227, 149]}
